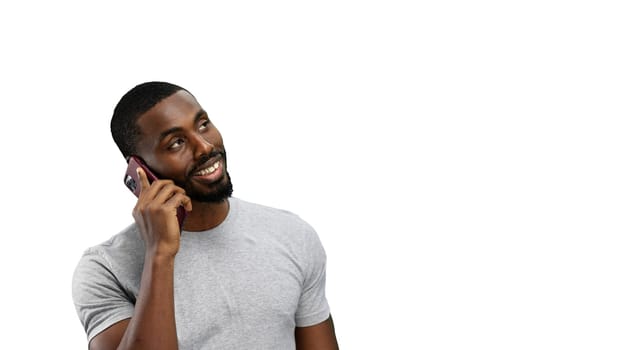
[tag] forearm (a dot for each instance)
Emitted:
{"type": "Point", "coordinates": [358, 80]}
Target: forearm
{"type": "Point", "coordinates": [153, 324]}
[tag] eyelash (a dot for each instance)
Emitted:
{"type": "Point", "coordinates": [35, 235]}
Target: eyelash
{"type": "Point", "coordinates": [174, 144]}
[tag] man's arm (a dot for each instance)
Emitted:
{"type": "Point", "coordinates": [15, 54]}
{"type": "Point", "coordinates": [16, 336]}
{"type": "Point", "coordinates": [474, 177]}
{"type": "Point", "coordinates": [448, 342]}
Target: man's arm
{"type": "Point", "coordinates": [152, 325]}
{"type": "Point", "coordinates": [318, 337]}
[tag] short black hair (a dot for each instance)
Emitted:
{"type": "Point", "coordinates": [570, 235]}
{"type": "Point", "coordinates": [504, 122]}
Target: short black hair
{"type": "Point", "coordinates": [133, 104]}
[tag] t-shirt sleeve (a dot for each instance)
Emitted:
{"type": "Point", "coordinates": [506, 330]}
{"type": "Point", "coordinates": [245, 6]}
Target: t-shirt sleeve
{"type": "Point", "coordinates": [98, 297]}
{"type": "Point", "coordinates": [313, 307]}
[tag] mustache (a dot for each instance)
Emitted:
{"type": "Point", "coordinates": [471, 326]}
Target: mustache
{"type": "Point", "coordinates": [206, 158]}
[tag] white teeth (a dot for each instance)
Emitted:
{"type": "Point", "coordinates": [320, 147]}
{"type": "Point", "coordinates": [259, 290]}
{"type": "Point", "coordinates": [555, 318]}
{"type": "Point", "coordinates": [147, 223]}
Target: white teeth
{"type": "Point", "coordinates": [209, 170]}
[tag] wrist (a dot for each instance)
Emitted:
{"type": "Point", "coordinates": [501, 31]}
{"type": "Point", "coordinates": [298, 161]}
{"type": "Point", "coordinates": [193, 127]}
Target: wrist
{"type": "Point", "coordinates": [160, 256]}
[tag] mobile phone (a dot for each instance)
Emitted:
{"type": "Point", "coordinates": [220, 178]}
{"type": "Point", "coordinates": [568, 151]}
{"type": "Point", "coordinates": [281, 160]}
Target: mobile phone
{"type": "Point", "coordinates": [132, 182]}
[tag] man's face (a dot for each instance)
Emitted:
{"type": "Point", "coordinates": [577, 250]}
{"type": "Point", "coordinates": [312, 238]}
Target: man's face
{"type": "Point", "coordinates": [179, 142]}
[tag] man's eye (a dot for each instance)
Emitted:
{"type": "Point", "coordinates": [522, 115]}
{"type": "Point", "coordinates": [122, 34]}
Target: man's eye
{"type": "Point", "coordinates": [176, 144]}
{"type": "Point", "coordinates": [204, 124]}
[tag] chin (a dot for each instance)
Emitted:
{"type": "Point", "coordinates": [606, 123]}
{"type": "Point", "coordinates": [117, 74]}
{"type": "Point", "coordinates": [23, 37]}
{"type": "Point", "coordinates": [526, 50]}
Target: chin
{"type": "Point", "coordinates": [221, 191]}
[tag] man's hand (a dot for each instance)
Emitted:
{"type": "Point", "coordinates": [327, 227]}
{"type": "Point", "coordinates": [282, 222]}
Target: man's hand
{"type": "Point", "coordinates": [155, 214]}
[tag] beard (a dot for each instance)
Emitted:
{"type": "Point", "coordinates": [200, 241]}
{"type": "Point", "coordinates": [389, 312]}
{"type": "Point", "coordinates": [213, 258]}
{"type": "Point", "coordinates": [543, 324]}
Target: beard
{"type": "Point", "coordinates": [222, 190]}
{"type": "Point", "coordinates": [219, 191]}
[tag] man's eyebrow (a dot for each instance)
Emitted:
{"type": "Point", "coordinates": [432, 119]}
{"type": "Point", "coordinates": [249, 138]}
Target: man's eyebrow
{"type": "Point", "coordinates": [200, 114]}
{"type": "Point", "coordinates": [167, 132]}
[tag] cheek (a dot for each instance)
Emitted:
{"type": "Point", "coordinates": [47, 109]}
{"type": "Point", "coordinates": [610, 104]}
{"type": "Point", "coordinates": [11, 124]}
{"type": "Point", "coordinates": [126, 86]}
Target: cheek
{"type": "Point", "coordinates": [173, 167]}
{"type": "Point", "coordinates": [216, 140]}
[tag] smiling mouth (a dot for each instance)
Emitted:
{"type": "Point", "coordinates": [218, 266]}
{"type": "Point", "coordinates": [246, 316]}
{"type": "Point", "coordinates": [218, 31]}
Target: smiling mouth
{"type": "Point", "coordinates": [208, 170]}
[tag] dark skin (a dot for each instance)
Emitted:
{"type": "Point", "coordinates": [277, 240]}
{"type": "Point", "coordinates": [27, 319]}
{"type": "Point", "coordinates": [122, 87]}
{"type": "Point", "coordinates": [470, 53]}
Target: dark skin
{"type": "Point", "coordinates": [176, 133]}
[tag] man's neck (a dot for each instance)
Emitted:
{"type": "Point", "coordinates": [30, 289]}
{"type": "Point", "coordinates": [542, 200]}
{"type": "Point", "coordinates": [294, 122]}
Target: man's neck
{"type": "Point", "coordinates": [205, 216]}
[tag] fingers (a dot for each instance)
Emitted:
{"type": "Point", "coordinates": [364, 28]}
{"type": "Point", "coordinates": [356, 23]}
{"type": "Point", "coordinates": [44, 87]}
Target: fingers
{"type": "Point", "coordinates": [180, 200]}
{"type": "Point", "coordinates": [156, 212]}
{"type": "Point", "coordinates": [142, 178]}
{"type": "Point", "coordinates": [156, 209]}
{"type": "Point", "coordinates": [186, 203]}
{"type": "Point", "coordinates": [162, 192]}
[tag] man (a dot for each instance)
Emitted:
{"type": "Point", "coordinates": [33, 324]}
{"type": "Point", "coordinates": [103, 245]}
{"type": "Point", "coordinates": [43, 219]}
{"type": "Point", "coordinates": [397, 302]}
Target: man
{"type": "Point", "coordinates": [237, 275]}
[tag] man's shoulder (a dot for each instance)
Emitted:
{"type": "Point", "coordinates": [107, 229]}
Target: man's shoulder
{"type": "Point", "coordinates": [263, 212]}
{"type": "Point", "coordinates": [121, 246]}
{"type": "Point", "coordinates": [127, 236]}
{"type": "Point", "coordinates": [254, 206]}
{"type": "Point", "coordinates": [273, 223]}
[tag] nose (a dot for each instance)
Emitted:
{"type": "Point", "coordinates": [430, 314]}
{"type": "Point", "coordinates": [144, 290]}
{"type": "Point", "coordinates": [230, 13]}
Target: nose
{"type": "Point", "coordinates": [201, 146]}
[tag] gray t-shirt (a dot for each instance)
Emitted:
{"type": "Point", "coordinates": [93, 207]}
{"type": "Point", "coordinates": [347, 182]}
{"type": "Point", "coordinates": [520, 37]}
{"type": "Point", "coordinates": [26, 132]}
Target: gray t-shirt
{"type": "Point", "coordinates": [245, 284]}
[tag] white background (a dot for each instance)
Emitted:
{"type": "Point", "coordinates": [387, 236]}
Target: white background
{"type": "Point", "coordinates": [461, 160]}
